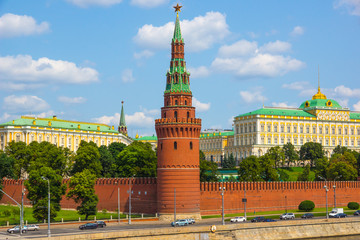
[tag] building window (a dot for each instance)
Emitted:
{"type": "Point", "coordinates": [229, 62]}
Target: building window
{"type": "Point", "coordinates": [346, 142]}
{"type": "Point", "coordinates": [314, 129]}
{"type": "Point", "coordinates": [17, 138]}
{"type": "Point", "coordinates": [40, 138]}
{"type": "Point", "coordinates": [288, 128]}
{"type": "Point", "coordinates": [352, 142]}
{"type": "Point", "coordinates": [327, 130]}
{"type": "Point", "coordinates": [295, 128]}
{"type": "Point", "coordinates": [327, 142]}
{"type": "Point", "coordinates": [175, 145]}
{"type": "Point", "coordinates": [188, 115]}
{"type": "Point", "coordinates": [282, 128]}
{"type": "Point", "coordinates": [185, 103]}
{"type": "Point", "coordinates": [282, 140]}
{"type": "Point", "coordinates": [191, 145]}
{"type": "Point", "coordinates": [176, 102]}
{"type": "Point", "coordinates": [275, 128]}
{"type": "Point", "coordinates": [333, 142]}
{"type": "Point", "coordinates": [307, 129]}
{"type": "Point", "coordinates": [358, 131]}
{"type": "Point", "coordinates": [332, 130]}
{"type": "Point", "coordinates": [295, 141]}
{"type": "Point", "coordinates": [262, 140]}
{"type": "Point", "coordinates": [164, 114]}
{"type": "Point", "coordinates": [175, 114]}
{"type": "Point", "coordinates": [55, 140]}
{"type": "Point", "coordinates": [237, 130]}
{"type": "Point", "coordinates": [352, 131]}
{"type": "Point", "coordinates": [301, 129]}
{"type": "Point", "coordinates": [275, 140]}
{"type": "Point", "coordinates": [269, 128]}
{"type": "Point", "coordinates": [339, 130]}
{"type": "Point", "coordinates": [269, 140]}
{"type": "Point", "coordinates": [301, 141]}
{"type": "Point", "coordinates": [262, 128]}
{"type": "Point", "coordinates": [320, 129]}
{"type": "Point", "coordinates": [346, 131]}
{"type": "Point", "coordinates": [254, 127]}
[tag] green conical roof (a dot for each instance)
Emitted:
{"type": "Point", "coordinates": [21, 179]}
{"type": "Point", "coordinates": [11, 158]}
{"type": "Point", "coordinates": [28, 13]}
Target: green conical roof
{"type": "Point", "coordinates": [122, 116]}
{"type": "Point", "coordinates": [177, 30]}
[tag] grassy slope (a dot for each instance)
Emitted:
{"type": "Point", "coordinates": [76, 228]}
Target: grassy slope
{"type": "Point", "coordinates": [294, 172]}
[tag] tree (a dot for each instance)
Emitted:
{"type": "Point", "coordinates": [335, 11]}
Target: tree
{"type": "Point", "coordinates": [250, 169]}
{"type": "Point", "coordinates": [311, 151]}
{"type": "Point", "coordinates": [208, 169]}
{"type": "Point", "coordinates": [87, 157]}
{"type": "Point", "coordinates": [306, 205]}
{"type": "Point", "coordinates": [82, 191]}
{"type": "Point", "coordinates": [340, 150]}
{"type": "Point", "coordinates": [277, 154]}
{"type": "Point", "coordinates": [304, 176]}
{"type": "Point", "coordinates": [321, 165]}
{"type": "Point", "coordinates": [138, 159]}
{"type": "Point", "coordinates": [267, 168]}
{"type": "Point", "coordinates": [107, 162]}
{"type": "Point", "coordinates": [6, 168]}
{"type": "Point", "coordinates": [291, 155]}
{"type": "Point", "coordinates": [38, 192]}
{"type": "Point", "coordinates": [18, 151]}
{"type": "Point", "coordinates": [343, 165]}
{"type": "Point", "coordinates": [230, 162]}
{"type": "Point", "coordinates": [115, 148]}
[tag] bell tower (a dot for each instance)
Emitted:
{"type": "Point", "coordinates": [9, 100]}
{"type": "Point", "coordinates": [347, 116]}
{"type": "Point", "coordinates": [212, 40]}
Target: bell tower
{"type": "Point", "coordinates": [178, 132]}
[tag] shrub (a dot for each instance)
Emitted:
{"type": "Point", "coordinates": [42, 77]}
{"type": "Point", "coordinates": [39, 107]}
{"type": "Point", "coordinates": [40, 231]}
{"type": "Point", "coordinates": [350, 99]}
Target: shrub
{"type": "Point", "coordinates": [353, 205]}
{"type": "Point", "coordinates": [104, 211]}
{"type": "Point", "coordinates": [306, 205]}
{"type": "Point", "coordinates": [7, 213]}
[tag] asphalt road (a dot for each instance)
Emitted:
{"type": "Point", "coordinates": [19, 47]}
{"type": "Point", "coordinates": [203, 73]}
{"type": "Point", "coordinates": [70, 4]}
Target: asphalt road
{"type": "Point", "coordinates": [70, 229]}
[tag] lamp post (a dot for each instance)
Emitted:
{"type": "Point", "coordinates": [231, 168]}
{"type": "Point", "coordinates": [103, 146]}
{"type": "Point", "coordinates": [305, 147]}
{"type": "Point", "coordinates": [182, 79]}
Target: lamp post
{"type": "Point", "coordinates": [130, 193]}
{"type": "Point", "coordinates": [285, 204]}
{"type": "Point", "coordinates": [326, 193]}
{"type": "Point", "coordinates": [118, 205]}
{"type": "Point", "coordinates": [222, 196]}
{"type": "Point", "coordinates": [22, 208]}
{"type": "Point", "coordinates": [17, 205]}
{"type": "Point", "coordinates": [49, 232]}
{"type": "Point", "coordinates": [244, 200]}
{"type": "Point", "coordinates": [334, 186]}
{"type": "Point", "coordinates": [175, 207]}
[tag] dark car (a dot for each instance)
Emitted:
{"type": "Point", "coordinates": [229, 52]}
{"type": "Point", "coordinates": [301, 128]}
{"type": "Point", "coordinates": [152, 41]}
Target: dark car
{"type": "Point", "coordinates": [258, 219]}
{"type": "Point", "coordinates": [357, 213]}
{"type": "Point", "coordinates": [88, 226]}
{"type": "Point", "coordinates": [101, 223]}
{"type": "Point", "coordinates": [340, 215]}
{"type": "Point", "coordinates": [269, 220]}
{"type": "Point", "coordinates": [307, 215]}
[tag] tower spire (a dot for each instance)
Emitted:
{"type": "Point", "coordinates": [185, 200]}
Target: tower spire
{"type": "Point", "coordinates": [122, 125]}
{"type": "Point", "coordinates": [177, 30]}
{"type": "Point", "coordinates": [318, 78]}
{"type": "Point", "coordinates": [319, 94]}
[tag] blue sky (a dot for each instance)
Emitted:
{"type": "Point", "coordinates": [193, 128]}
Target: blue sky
{"type": "Point", "coordinates": [78, 59]}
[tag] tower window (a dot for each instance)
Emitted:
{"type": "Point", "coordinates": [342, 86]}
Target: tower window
{"type": "Point", "coordinates": [185, 103]}
{"type": "Point", "coordinates": [191, 145]}
{"type": "Point", "coordinates": [161, 146]}
{"type": "Point", "coordinates": [175, 145]}
{"type": "Point", "coordinates": [164, 114]}
{"type": "Point", "coordinates": [175, 114]}
{"type": "Point", "coordinates": [176, 102]}
{"type": "Point", "coordinates": [188, 115]}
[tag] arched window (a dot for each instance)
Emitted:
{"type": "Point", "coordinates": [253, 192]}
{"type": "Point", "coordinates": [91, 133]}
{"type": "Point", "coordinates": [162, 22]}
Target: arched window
{"type": "Point", "coordinates": [185, 103]}
{"type": "Point", "coordinates": [175, 145]}
{"type": "Point", "coordinates": [176, 102]}
{"type": "Point", "coordinates": [188, 115]}
{"type": "Point", "coordinates": [164, 114]}
{"type": "Point", "coordinates": [175, 114]}
{"type": "Point", "coordinates": [191, 145]}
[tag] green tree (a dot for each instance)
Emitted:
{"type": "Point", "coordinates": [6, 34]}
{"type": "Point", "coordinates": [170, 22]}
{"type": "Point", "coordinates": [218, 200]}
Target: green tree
{"type": "Point", "coordinates": [250, 169]}
{"type": "Point", "coordinates": [18, 151]}
{"type": "Point", "coordinates": [230, 162]}
{"type": "Point", "coordinates": [267, 168]}
{"type": "Point", "coordinates": [138, 159]}
{"type": "Point", "coordinates": [6, 168]}
{"type": "Point", "coordinates": [321, 165]}
{"type": "Point", "coordinates": [342, 167]}
{"type": "Point", "coordinates": [82, 191]}
{"type": "Point", "coordinates": [340, 150]}
{"type": "Point", "coordinates": [291, 155]}
{"type": "Point", "coordinates": [87, 157]}
{"type": "Point", "coordinates": [311, 151]}
{"type": "Point", "coordinates": [304, 176]}
{"type": "Point", "coordinates": [38, 192]}
{"type": "Point", "coordinates": [115, 148]}
{"type": "Point", "coordinates": [107, 162]}
{"type": "Point", "coordinates": [208, 169]}
{"type": "Point", "coordinates": [277, 154]}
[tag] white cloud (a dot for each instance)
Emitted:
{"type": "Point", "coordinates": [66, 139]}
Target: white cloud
{"type": "Point", "coordinates": [25, 69]}
{"type": "Point", "coordinates": [297, 31]}
{"type": "Point", "coordinates": [12, 25]}
{"type": "Point", "coordinates": [282, 105]}
{"type": "Point", "coordinates": [276, 47]}
{"type": "Point", "coordinates": [6, 117]}
{"type": "Point", "coordinates": [148, 3]}
{"type": "Point", "coordinates": [296, 85]}
{"type": "Point", "coordinates": [199, 33]}
{"type": "Point", "coordinates": [199, 72]}
{"type": "Point", "coordinates": [25, 103]}
{"type": "Point", "coordinates": [9, 86]}
{"type": "Point", "coordinates": [238, 49]}
{"type": "Point", "coordinates": [352, 6]}
{"type": "Point", "coordinates": [347, 92]}
{"type": "Point", "coordinates": [127, 75]}
{"type": "Point", "coordinates": [253, 96]}
{"type": "Point", "coordinates": [200, 107]}
{"type": "Point", "coordinates": [69, 100]}
{"type": "Point", "coordinates": [109, 120]}
{"type": "Point", "coordinates": [246, 59]}
{"type": "Point", "coordinates": [357, 106]}
{"type": "Point", "coordinates": [88, 3]}
{"type": "Point", "coordinates": [343, 102]}
{"type": "Point", "coordinates": [143, 54]}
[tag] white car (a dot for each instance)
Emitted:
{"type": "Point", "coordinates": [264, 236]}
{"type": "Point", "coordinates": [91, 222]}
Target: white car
{"type": "Point", "coordinates": [238, 219]}
{"type": "Point", "coordinates": [32, 227]}
{"type": "Point", "coordinates": [286, 216]}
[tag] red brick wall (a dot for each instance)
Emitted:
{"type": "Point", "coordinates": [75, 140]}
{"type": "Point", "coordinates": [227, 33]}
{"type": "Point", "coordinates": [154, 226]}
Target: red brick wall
{"type": "Point", "coordinates": [262, 196]}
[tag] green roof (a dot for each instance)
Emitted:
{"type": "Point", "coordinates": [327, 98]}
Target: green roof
{"type": "Point", "coordinates": [321, 103]}
{"type": "Point", "coordinates": [177, 30]}
{"type": "Point", "coordinates": [146, 138]}
{"type": "Point", "coordinates": [216, 134]}
{"type": "Point", "coordinates": [355, 115]}
{"type": "Point", "coordinates": [59, 123]}
{"type": "Point", "coordinates": [278, 112]}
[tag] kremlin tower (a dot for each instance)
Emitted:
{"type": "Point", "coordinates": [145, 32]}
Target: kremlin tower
{"type": "Point", "coordinates": [122, 125]}
{"type": "Point", "coordinates": [178, 133]}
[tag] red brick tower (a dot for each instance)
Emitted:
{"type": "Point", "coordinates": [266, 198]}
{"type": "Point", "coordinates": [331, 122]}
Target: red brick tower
{"type": "Point", "coordinates": [178, 133]}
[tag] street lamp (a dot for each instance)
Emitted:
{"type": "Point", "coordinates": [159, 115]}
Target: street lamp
{"type": "Point", "coordinates": [44, 178]}
{"type": "Point", "coordinates": [118, 203]}
{"type": "Point", "coordinates": [334, 186]}
{"type": "Point", "coordinates": [130, 193]}
{"type": "Point", "coordinates": [326, 193]}
{"type": "Point", "coordinates": [222, 196]}
{"type": "Point", "coordinates": [175, 207]}
{"type": "Point", "coordinates": [244, 200]}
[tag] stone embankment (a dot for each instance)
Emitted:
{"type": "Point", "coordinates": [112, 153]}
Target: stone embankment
{"type": "Point", "coordinates": [300, 229]}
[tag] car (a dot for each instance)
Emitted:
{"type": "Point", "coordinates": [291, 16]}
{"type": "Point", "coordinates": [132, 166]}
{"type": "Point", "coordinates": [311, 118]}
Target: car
{"type": "Point", "coordinates": [307, 215]}
{"type": "Point", "coordinates": [191, 220]}
{"type": "Point", "coordinates": [269, 220]}
{"type": "Point", "coordinates": [286, 216]}
{"type": "Point", "coordinates": [340, 215]}
{"type": "Point", "coordinates": [238, 219]}
{"type": "Point", "coordinates": [88, 226]}
{"type": "Point", "coordinates": [180, 222]}
{"type": "Point", "coordinates": [258, 219]}
{"type": "Point", "coordinates": [357, 213]}
{"type": "Point", "coordinates": [16, 229]}
{"type": "Point", "coordinates": [101, 223]}
{"type": "Point", "coordinates": [32, 227]}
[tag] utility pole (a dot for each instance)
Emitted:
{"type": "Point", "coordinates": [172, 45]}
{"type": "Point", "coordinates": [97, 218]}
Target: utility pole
{"type": "Point", "coordinates": [244, 200]}
{"type": "Point", "coordinates": [222, 195]}
{"type": "Point", "coordinates": [118, 205]}
{"type": "Point", "coordinates": [175, 207]}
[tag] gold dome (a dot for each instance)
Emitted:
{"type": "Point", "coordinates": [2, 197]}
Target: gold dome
{"type": "Point", "coordinates": [319, 95]}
